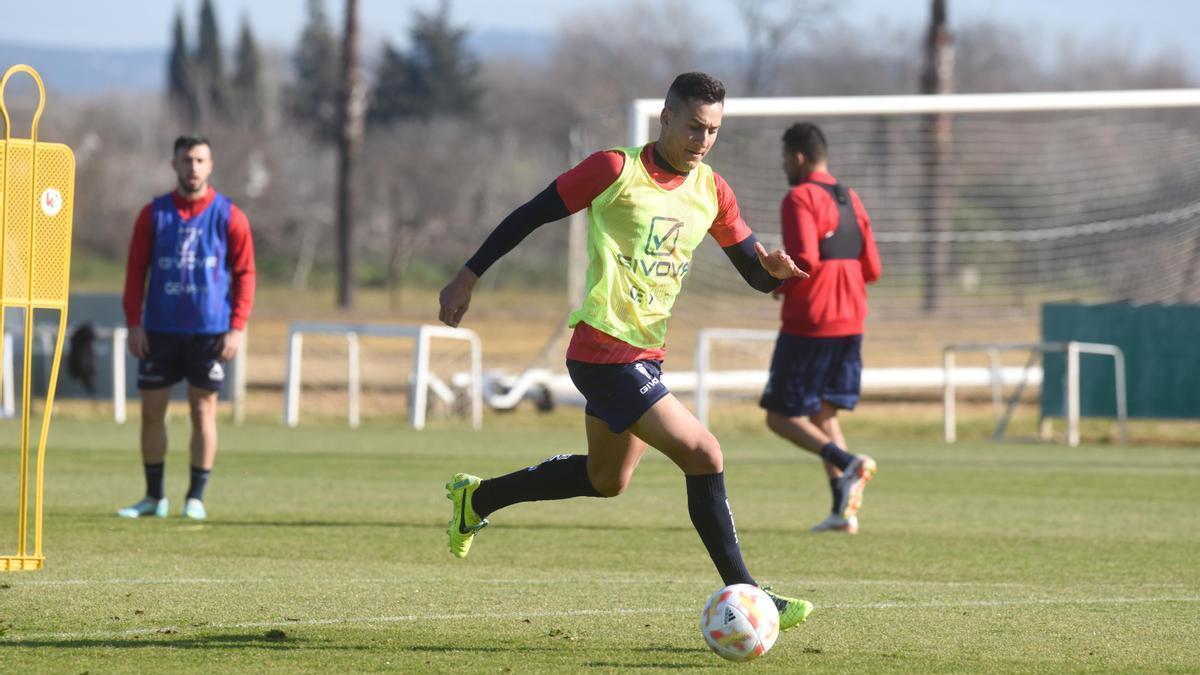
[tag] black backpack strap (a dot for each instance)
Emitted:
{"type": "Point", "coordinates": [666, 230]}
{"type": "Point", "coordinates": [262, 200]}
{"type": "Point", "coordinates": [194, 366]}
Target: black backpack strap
{"type": "Point", "coordinates": [846, 242]}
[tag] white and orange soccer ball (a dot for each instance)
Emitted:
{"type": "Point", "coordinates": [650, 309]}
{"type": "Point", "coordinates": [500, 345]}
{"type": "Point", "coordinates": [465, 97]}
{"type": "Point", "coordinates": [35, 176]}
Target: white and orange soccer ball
{"type": "Point", "coordinates": [740, 622]}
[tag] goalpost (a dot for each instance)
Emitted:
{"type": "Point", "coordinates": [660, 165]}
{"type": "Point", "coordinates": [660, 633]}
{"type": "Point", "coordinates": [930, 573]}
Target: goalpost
{"type": "Point", "coordinates": [984, 206]}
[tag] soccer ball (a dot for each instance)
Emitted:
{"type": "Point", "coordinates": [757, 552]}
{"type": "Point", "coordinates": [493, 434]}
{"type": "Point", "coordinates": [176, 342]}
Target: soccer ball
{"type": "Point", "coordinates": [740, 622]}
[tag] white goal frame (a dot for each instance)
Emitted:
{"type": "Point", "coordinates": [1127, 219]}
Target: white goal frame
{"type": "Point", "coordinates": [643, 110]}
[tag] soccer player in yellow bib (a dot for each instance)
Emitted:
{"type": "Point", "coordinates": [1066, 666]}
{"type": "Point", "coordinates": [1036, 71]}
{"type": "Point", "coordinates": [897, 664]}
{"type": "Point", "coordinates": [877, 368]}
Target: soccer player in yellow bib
{"type": "Point", "coordinates": [648, 209]}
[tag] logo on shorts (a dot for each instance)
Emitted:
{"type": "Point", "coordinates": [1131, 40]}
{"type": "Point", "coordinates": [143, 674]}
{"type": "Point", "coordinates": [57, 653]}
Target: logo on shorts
{"type": "Point", "coordinates": [216, 373]}
{"type": "Point", "coordinates": [653, 380]}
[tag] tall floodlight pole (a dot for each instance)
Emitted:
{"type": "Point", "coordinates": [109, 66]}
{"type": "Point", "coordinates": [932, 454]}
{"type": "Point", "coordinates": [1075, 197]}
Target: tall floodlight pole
{"type": "Point", "coordinates": [350, 122]}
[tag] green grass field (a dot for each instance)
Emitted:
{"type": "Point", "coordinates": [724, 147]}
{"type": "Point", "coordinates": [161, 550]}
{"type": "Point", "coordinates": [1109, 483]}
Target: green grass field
{"type": "Point", "coordinates": [325, 551]}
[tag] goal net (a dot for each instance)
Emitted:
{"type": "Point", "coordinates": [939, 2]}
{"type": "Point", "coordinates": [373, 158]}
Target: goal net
{"type": "Point", "coordinates": [984, 207]}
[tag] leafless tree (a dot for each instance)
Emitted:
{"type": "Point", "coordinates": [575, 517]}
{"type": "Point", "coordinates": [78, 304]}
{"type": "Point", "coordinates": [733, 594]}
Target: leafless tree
{"type": "Point", "coordinates": [773, 28]}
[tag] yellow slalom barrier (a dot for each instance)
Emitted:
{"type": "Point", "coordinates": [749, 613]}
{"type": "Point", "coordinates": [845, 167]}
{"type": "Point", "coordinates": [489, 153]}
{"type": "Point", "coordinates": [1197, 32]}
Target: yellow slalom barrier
{"type": "Point", "coordinates": [37, 197]}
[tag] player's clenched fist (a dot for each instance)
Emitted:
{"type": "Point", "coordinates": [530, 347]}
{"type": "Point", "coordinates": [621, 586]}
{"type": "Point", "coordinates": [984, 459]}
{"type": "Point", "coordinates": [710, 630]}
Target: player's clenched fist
{"type": "Point", "coordinates": [455, 298]}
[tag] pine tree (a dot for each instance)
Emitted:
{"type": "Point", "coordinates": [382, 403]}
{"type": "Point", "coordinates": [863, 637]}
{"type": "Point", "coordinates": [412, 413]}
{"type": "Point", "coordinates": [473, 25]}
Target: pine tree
{"type": "Point", "coordinates": [439, 76]}
{"type": "Point", "coordinates": [247, 79]}
{"type": "Point", "coordinates": [210, 68]}
{"type": "Point", "coordinates": [313, 101]}
{"type": "Point", "coordinates": [392, 97]}
{"type": "Point", "coordinates": [181, 91]}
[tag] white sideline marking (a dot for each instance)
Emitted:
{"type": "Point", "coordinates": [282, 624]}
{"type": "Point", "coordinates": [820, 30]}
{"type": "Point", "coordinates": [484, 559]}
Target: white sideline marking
{"type": "Point", "coordinates": [547, 581]}
{"type": "Point", "coordinates": [100, 634]}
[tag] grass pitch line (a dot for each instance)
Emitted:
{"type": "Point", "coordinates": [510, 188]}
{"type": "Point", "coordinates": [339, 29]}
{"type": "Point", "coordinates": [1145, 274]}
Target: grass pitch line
{"type": "Point", "coordinates": [966, 604]}
{"type": "Point", "coordinates": [367, 621]}
{"type": "Point", "coordinates": [545, 581]}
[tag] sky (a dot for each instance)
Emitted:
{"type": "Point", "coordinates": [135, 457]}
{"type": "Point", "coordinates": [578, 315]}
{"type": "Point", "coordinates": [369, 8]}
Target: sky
{"type": "Point", "coordinates": [1150, 26]}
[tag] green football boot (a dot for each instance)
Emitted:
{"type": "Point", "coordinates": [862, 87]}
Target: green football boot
{"type": "Point", "coordinates": [792, 611]}
{"type": "Point", "coordinates": [464, 522]}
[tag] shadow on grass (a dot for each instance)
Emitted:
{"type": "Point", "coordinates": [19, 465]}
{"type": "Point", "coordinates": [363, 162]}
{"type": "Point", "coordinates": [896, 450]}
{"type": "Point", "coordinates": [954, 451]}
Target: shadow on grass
{"type": "Point", "coordinates": [270, 640]}
{"type": "Point", "coordinates": [622, 666]}
{"type": "Point", "coordinates": [662, 651]}
{"type": "Point", "coordinates": [423, 525]}
{"type": "Point", "coordinates": [475, 648]}
{"type": "Point", "coordinates": [684, 526]}
{"type": "Point", "coordinates": [215, 523]}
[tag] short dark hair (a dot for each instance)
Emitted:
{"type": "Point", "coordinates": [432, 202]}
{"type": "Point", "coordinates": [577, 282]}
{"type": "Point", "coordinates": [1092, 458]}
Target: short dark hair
{"type": "Point", "coordinates": [189, 142]}
{"type": "Point", "coordinates": [695, 85]}
{"type": "Point", "coordinates": [807, 139]}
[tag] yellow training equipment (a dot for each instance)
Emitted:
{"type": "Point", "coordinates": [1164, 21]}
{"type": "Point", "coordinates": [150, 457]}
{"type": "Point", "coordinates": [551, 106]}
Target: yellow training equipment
{"type": "Point", "coordinates": [37, 197]}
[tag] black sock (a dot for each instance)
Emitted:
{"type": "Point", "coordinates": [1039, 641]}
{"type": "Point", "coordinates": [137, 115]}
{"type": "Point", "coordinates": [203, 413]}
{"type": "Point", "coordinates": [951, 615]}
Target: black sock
{"type": "Point", "coordinates": [199, 481]}
{"type": "Point", "coordinates": [154, 479]}
{"type": "Point", "coordinates": [835, 487]}
{"type": "Point", "coordinates": [713, 520]}
{"type": "Point", "coordinates": [836, 456]}
{"type": "Point", "coordinates": [560, 477]}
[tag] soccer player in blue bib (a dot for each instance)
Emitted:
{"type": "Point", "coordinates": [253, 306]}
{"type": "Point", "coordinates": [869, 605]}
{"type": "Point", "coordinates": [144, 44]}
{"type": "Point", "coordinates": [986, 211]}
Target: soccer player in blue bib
{"type": "Point", "coordinates": [189, 288]}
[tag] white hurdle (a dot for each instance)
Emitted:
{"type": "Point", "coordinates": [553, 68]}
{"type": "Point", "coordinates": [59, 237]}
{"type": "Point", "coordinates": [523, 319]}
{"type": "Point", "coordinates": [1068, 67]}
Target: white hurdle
{"type": "Point", "coordinates": [422, 379]}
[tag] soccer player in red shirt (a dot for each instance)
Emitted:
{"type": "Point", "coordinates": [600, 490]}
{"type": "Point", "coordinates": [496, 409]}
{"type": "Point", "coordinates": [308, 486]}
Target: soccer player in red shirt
{"type": "Point", "coordinates": [189, 288]}
{"type": "Point", "coordinates": [817, 365]}
{"type": "Point", "coordinates": [648, 208]}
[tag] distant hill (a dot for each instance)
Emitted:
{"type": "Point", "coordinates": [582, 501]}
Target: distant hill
{"type": "Point", "coordinates": [90, 71]}
{"type": "Point", "coordinates": [94, 70]}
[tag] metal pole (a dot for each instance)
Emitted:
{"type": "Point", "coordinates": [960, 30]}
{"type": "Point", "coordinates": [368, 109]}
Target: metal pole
{"type": "Point", "coordinates": [352, 382]}
{"type": "Point", "coordinates": [702, 356]}
{"type": "Point", "coordinates": [476, 382]}
{"type": "Point", "coordinates": [420, 379]}
{"type": "Point", "coordinates": [239, 380]}
{"type": "Point", "coordinates": [997, 383]}
{"type": "Point", "coordinates": [291, 399]}
{"type": "Point", "coordinates": [948, 422]}
{"type": "Point", "coordinates": [120, 339]}
{"type": "Point", "coordinates": [1073, 394]}
{"type": "Point", "coordinates": [1122, 411]}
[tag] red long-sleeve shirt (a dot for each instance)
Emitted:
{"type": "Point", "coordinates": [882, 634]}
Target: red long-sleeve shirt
{"type": "Point", "coordinates": [241, 259]}
{"type": "Point", "coordinates": [833, 301]}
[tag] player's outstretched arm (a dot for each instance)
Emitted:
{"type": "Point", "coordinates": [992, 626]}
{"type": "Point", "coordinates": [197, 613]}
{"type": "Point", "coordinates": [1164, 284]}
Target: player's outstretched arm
{"type": "Point", "coordinates": [456, 297]}
{"type": "Point", "coordinates": [547, 206]}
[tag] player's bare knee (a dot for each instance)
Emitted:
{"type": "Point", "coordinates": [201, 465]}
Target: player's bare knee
{"type": "Point", "coordinates": [706, 456]}
{"type": "Point", "coordinates": [610, 485]}
{"type": "Point", "coordinates": [777, 422]}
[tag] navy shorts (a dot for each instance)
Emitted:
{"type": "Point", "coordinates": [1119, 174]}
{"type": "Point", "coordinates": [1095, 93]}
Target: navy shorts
{"type": "Point", "coordinates": [176, 356]}
{"type": "Point", "coordinates": [808, 370]}
{"type": "Point", "coordinates": [618, 393]}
